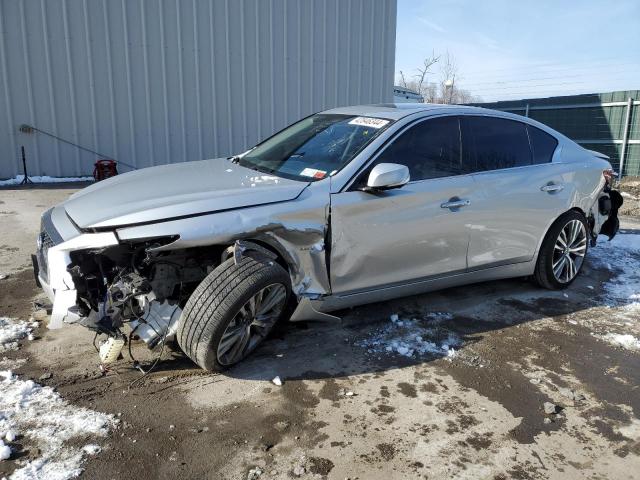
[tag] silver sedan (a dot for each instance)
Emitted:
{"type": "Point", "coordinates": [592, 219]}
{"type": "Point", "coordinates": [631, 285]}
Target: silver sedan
{"type": "Point", "coordinates": [345, 207]}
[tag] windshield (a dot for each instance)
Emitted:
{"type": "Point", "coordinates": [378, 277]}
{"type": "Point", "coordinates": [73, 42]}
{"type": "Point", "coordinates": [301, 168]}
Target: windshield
{"type": "Point", "coordinates": [315, 147]}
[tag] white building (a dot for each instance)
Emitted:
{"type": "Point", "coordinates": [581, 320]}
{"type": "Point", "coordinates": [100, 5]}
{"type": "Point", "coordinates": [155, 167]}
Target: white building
{"type": "Point", "coordinates": [148, 82]}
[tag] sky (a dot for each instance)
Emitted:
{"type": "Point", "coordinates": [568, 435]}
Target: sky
{"type": "Point", "coordinates": [522, 48]}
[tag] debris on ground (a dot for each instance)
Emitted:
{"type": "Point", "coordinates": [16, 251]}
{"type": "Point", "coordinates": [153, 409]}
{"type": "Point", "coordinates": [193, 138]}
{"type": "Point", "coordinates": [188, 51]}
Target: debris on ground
{"type": "Point", "coordinates": [550, 408]}
{"type": "Point", "coordinates": [254, 473]}
{"type": "Point", "coordinates": [571, 394]}
{"type": "Point", "coordinates": [277, 381]}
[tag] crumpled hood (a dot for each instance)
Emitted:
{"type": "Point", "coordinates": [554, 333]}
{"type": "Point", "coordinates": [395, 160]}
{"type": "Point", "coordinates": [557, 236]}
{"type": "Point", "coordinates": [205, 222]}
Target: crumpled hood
{"type": "Point", "coordinates": [176, 190]}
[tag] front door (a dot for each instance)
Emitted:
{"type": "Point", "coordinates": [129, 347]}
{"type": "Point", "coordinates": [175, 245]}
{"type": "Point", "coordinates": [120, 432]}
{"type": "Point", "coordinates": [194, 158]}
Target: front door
{"type": "Point", "coordinates": [411, 233]}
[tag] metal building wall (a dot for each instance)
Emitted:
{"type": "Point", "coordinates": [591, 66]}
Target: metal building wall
{"type": "Point", "coordinates": [604, 122]}
{"type": "Point", "coordinates": [149, 82]}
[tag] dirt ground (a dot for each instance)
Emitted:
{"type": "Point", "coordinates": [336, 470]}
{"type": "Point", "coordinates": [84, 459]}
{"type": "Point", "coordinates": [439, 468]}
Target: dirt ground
{"type": "Point", "coordinates": [630, 188]}
{"type": "Point", "coordinates": [348, 410]}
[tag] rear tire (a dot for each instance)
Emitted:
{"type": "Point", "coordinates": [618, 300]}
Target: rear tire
{"type": "Point", "coordinates": [562, 252]}
{"type": "Point", "coordinates": [222, 322]}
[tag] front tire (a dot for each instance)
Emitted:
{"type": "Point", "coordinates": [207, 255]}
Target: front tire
{"type": "Point", "coordinates": [232, 310]}
{"type": "Point", "coordinates": [563, 251]}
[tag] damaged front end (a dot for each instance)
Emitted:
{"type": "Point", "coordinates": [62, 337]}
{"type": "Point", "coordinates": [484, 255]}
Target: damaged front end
{"type": "Point", "coordinates": [135, 286]}
{"type": "Point", "coordinates": [132, 281]}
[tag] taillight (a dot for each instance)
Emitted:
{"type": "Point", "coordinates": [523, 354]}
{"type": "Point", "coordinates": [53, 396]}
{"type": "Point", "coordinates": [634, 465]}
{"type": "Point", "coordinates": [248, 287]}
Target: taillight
{"type": "Point", "coordinates": [609, 175]}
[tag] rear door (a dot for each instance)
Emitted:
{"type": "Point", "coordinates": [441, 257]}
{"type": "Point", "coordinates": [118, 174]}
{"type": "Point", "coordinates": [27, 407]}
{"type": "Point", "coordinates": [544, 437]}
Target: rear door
{"type": "Point", "coordinates": [409, 233]}
{"type": "Point", "coordinates": [519, 190]}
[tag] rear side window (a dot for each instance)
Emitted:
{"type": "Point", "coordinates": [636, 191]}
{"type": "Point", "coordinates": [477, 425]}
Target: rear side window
{"type": "Point", "coordinates": [494, 143]}
{"type": "Point", "coordinates": [542, 144]}
{"type": "Point", "coordinates": [430, 149]}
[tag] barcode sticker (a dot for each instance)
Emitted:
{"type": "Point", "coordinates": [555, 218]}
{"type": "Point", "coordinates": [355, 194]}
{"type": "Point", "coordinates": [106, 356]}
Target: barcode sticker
{"type": "Point", "coordinates": [369, 122]}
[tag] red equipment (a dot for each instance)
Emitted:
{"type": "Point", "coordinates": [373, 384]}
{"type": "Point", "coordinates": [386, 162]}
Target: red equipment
{"type": "Point", "coordinates": [105, 169]}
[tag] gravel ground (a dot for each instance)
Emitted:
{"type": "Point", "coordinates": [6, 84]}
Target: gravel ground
{"type": "Point", "coordinates": [506, 381]}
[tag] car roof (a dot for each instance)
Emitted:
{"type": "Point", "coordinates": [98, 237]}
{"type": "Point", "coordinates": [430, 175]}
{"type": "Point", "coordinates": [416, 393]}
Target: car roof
{"type": "Point", "coordinates": [396, 111]}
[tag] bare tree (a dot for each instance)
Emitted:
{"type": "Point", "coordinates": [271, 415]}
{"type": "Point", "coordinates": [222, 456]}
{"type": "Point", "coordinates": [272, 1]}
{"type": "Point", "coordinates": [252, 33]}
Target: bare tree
{"type": "Point", "coordinates": [448, 72]}
{"type": "Point", "coordinates": [403, 82]}
{"type": "Point", "coordinates": [430, 92]}
{"type": "Point", "coordinates": [446, 89]}
{"type": "Point", "coordinates": [422, 72]}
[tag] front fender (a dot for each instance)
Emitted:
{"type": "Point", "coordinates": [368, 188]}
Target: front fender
{"type": "Point", "coordinates": [296, 229]}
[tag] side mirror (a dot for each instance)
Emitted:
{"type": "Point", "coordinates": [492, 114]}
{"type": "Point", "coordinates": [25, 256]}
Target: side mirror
{"type": "Point", "coordinates": [385, 176]}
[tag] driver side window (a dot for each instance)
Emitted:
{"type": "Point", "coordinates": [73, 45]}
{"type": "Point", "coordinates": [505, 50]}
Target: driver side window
{"type": "Point", "coordinates": [430, 149]}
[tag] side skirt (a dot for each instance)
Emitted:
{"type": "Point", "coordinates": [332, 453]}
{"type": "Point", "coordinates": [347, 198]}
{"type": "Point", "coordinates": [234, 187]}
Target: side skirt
{"type": "Point", "coordinates": [315, 309]}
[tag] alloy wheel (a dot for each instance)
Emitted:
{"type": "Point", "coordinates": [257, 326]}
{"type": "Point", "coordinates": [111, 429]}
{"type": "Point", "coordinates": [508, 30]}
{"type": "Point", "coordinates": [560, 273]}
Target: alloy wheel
{"type": "Point", "coordinates": [251, 324]}
{"type": "Point", "coordinates": [569, 251]}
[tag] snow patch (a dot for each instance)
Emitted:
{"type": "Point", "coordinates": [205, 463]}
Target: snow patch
{"type": "Point", "coordinates": [624, 340]}
{"type": "Point", "coordinates": [44, 179]}
{"type": "Point", "coordinates": [43, 418]}
{"type": "Point", "coordinates": [92, 449]}
{"type": "Point", "coordinates": [621, 292]}
{"type": "Point", "coordinates": [11, 331]}
{"type": "Point", "coordinates": [413, 338]}
{"type": "Point", "coordinates": [621, 256]}
{"type": "Point", "coordinates": [5, 451]}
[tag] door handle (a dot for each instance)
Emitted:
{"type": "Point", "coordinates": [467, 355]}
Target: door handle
{"type": "Point", "coordinates": [455, 203]}
{"type": "Point", "coordinates": [552, 187]}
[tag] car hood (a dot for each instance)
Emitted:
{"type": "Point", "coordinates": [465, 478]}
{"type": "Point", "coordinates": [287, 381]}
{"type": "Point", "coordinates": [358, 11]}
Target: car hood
{"type": "Point", "coordinates": [176, 190]}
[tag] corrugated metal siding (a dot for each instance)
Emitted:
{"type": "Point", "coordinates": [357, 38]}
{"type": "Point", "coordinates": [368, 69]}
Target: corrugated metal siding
{"type": "Point", "coordinates": [149, 82]}
{"type": "Point", "coordinates": [602, 125]}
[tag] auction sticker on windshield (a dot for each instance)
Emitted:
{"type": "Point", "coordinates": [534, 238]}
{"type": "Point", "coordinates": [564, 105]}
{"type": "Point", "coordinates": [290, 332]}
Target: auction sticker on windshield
{"type": "Point", "coordinates": [369, 122]}
{"type": "Point", "coordinates": [312, 172]}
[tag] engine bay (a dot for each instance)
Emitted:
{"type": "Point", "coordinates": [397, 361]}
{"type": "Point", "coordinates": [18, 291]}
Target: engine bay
{"type": "Point", "coordinates": [131, 291]}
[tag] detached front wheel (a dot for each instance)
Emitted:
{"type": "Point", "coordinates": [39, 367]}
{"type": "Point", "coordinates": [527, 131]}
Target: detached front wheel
{"type": "Point", "coordinates": [234, 308]}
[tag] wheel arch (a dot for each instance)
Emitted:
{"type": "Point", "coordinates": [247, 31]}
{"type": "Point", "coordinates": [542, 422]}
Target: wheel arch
{"type": "Point", "coordinates": [575, 209]}
{"type": "Point", "coordinates": [304, 260]}
{"type": "Point", "coordinates": [551, 223]}
{"type": "Point", "coordinates": [279, 252]}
